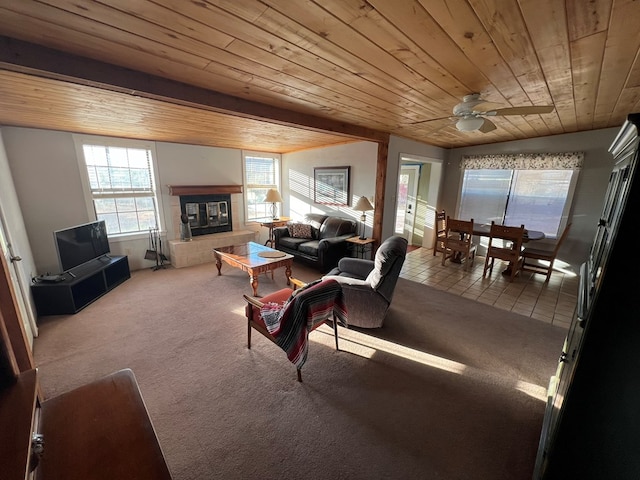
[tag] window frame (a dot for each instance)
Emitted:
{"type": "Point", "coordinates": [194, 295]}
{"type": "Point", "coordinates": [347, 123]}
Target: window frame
{"type": "Point", "coordinates": [514, 163]}
{"type": "Point", "coordinates": [505, 201]}
{"type": "Point", "coordinates": [80, 141]}
{"type": "Point", "coordinates": [277, 161]}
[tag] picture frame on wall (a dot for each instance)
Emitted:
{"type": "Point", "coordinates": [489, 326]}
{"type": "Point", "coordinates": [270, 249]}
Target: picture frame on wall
{"type": "Point", "coordinates": [331, 185]}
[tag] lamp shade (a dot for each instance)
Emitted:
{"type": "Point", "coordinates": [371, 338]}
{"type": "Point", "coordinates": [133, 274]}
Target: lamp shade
{"type": "Point", "coordinates": [363, 205]}
{"type": "Point", "coordinates": [273, 196]}
{"type": "Point", "coordinates": [469, 124]}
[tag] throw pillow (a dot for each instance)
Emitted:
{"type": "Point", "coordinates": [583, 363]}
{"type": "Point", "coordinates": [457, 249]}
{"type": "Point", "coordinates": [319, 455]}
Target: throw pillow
{"type": "Point", "coordinates": [300, 230]}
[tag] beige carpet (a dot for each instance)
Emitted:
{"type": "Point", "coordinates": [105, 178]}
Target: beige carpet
{"type": "Point", "coordinates": [448, 389]}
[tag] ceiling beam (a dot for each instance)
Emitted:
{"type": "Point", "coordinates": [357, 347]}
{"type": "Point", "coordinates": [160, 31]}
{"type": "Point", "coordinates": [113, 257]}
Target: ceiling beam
{"type": "Point", "coordinates": [32, 59]}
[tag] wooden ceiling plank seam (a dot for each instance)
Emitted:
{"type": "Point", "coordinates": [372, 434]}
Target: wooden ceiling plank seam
{"type": "Point", "coordinates": [315, 102]}
{"type": "Point", "coordinates": [344, 63]}
{"type": "Point", "coordinates": [387, 35]}
{"type": "Point", "coordinates": [625, 105]}
{"type": "Point", "coordinates": [470, 35]}
{"type": "Point", "coordinates": [124, 5]}
{"type": "Point", "coordinates": [622, 105]}
{"type": "Point", "coordinates": [411, 17]}
{"type": "Point", "coordinates": [330, 29]}
{"type": "Point", "coordinates": [623, 41]}
{"type": "Point", "coordinates": [69, 22]}
{"type": "Point", "coordinates": [587, 53]}
{"type": "Point", "coordinates": [550, 39]}
{"type": "Point", "coordinates": [466, 30]}
{"type": "Point", "coordinates": [633, 79]}
{"type": "Point", "coordinates": [587, 20]}
{"type": "Point", "coordinates": [271, 42]}
{"type": "Point", "coordinates": [503, 20]}
{"type": "Point", "coordinates": [367, 102]}
{"type": "Point", "coordinates": [405, 104]}
{"type": "Point", "coordinates": [153, 21]}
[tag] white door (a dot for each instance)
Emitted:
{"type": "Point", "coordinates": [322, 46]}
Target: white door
{"type": "Point", "coordinates": [407, 197]}
{"type": "Point", "coordinates": [21, 290]}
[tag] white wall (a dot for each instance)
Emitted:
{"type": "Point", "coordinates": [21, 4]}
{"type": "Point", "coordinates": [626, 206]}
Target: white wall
{"type": "Point", "coordinates": [297, 178]}
{"type": "Point", "coordinates": [16, 234]}
{"type": "Point", "coordinates": [47, 180]}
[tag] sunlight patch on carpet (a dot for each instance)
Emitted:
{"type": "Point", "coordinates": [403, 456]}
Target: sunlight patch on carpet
{"type": "Point", "coordinates": [366, 346]}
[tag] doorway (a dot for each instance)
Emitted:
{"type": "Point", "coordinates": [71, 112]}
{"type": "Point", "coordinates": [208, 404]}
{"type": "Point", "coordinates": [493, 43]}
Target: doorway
{"type": "Point", "coordinates": [20, 287]}
{"type": "Point", "coordinates": [418, 186]}
{"type": "Point", "coordinates": [407, 196]}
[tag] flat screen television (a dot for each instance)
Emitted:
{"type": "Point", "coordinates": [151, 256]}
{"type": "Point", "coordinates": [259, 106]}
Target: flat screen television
{"type": "Point", "coordinates": [81, 244]}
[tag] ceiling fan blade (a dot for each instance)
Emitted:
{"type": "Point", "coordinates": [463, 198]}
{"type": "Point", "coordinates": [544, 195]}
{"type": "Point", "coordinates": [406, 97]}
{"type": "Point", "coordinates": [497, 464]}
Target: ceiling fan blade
{"type": "Point", "coordinates": [521, 110]}
{"type": "Point", "coordinates": [421, 122]}
{"type": "Point", "coordinates": [487, 106]}
{"type": "Point", "coordinates": [487, 126]}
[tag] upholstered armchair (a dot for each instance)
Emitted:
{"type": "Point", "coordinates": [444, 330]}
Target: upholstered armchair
{"type": "Point", "coordinates": [368, 285]}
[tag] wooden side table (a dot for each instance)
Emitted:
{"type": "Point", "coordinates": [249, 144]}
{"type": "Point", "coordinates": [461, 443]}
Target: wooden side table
{"type": "Point", "coordinates": [272, 223]}
{"type": "Point", "coordinates": [361, 246]}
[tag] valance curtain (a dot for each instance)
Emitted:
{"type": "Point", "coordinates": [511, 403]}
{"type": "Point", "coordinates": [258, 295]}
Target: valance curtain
{"type": "Point", "coordinates": [524, 161]}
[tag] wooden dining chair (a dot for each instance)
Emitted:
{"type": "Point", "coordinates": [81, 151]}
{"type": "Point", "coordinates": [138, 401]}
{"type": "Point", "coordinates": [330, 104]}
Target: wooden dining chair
{"type": "Point", "coordinates": [458, 241]}
{"type": "Point", "coordinates": [439, 227]}
{"type": "Point", "coordinates": [539, 260]}
{"type": "Point", "coordinates": [505, 243]}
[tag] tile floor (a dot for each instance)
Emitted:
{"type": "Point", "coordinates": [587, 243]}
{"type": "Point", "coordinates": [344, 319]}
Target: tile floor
{"type": "Point", "coordinates": [527, 295]}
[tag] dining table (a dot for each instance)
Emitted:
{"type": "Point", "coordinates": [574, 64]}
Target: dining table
{"type": "Point", "coordinates": [484, 229]}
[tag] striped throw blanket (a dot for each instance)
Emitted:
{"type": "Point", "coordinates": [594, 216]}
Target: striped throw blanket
{"type": "Point", "coordinates": [290, 324]}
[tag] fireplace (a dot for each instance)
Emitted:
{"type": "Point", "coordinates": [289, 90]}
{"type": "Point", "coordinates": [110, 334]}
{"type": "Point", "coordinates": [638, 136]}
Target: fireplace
{"type": "Point", "coordinates": [209, 204]}
{"type": "Point", "coordinates": [207, 213]}
{"type": "Point", "coordinates": [208, 207]}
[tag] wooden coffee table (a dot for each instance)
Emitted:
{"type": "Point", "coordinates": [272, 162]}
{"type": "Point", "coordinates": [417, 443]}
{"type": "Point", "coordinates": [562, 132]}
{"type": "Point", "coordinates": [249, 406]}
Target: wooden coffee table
{"type": "Point", "coordinates": [254, 259]}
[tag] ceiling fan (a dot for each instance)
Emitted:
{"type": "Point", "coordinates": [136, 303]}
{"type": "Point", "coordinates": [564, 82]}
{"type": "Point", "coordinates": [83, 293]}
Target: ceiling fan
{"type": "Point", "coordinates": [470, 114]}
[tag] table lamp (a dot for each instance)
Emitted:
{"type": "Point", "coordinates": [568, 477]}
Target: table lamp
{"type": "Point", "coordinates": [363, 205]}
{"type": "Point", "coordinates": [274, 197]}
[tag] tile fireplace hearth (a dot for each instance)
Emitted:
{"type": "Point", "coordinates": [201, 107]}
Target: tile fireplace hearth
{"type": "Point", "coordinates": [200, 249]}
{"type": "Point", "coordinates": [210, 209]}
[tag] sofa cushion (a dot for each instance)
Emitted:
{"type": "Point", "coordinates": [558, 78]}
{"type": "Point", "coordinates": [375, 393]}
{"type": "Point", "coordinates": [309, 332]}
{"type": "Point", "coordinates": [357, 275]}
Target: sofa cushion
{"type": "Point", "coordinates": [291, 243]}
{"type": "Point", "coordinates": [309, 247]}
{"type": "Point", "coordinates": [300, 230]}
{"type": "Point", "coordinates": [315, 220]}
{"type": "Point", "coordinates": [335, 227]}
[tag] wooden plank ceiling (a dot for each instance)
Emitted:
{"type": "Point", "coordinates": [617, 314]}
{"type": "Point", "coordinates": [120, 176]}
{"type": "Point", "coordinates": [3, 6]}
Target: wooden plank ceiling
{"type": "Point", "coordinates": [308, 73]}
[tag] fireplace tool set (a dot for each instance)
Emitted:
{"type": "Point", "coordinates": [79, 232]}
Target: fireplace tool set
{"type": "Point", "coordinates": [154, 252]}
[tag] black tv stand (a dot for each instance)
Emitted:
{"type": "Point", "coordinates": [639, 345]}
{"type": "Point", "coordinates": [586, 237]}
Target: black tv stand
{"type": "Point", "coordinates": [83, 285]}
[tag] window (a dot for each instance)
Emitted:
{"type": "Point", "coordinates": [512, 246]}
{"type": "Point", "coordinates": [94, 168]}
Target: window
{"type": "Point", "coordinates": [261, 172]}
{"type": "Point", "coordinates": [536, 193]}
{"type": "Point", "coordinates": [120, 181]}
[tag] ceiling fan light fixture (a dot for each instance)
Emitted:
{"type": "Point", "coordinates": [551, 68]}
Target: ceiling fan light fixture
{"type": "Point", "coordinates": [469, 124]}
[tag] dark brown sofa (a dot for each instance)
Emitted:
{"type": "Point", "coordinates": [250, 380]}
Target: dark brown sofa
{"type": "Point", "coordinates": [325, 245]}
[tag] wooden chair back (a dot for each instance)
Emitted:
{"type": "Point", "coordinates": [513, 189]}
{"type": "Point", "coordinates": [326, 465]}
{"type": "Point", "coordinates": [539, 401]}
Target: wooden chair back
{"type": "Point", "coordinates": [440, 232]}
{"type": "Point", "coordinates": [505, 243]}
{"type": "Point", "coordinates": [531, 257]}
{"type": "Point", "coordinates": [458, 241]}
